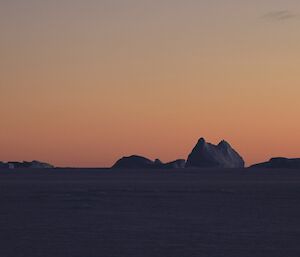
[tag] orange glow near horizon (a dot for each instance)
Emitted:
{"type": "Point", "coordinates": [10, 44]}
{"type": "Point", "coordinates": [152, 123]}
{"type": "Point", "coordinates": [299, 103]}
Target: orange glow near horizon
{"type": "Point", "coordinates": [83, 84]}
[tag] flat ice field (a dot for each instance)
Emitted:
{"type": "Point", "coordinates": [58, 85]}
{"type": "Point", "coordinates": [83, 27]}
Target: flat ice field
{"type": "Point", "coordinates": [172, 213]}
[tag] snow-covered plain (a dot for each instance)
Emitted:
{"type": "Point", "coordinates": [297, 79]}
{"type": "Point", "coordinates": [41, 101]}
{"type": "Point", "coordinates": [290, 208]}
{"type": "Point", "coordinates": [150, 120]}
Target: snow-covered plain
{"type": "Point", "coordinates": [140, 213]}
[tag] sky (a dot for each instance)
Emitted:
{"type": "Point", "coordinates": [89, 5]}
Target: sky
{"type": "Point", "coordinates": [84, 82]}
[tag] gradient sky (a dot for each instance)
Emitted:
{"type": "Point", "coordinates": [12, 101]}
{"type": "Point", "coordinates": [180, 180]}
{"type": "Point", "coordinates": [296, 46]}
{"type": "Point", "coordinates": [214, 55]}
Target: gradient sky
{"type": "Point", "coordinates": [83, 83]}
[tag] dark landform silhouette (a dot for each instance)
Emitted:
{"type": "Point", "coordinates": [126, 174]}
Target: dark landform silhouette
{"type": "Point", "coordinates": [140, 162]}
{"type": "Point", "coordinates": [26, 165]}
{"type": "Point", "coordinates": [203, 155]}
{"type": "Point", "coordinates": [279, 163]}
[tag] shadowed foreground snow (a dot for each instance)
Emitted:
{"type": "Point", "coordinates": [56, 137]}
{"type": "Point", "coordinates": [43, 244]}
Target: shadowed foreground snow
{"type": "Point", "coordinates": [174, 213]}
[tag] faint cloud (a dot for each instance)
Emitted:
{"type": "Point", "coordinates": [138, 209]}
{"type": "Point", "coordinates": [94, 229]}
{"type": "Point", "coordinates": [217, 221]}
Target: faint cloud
{"type": "Point", "coordinates": [280, 15]}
